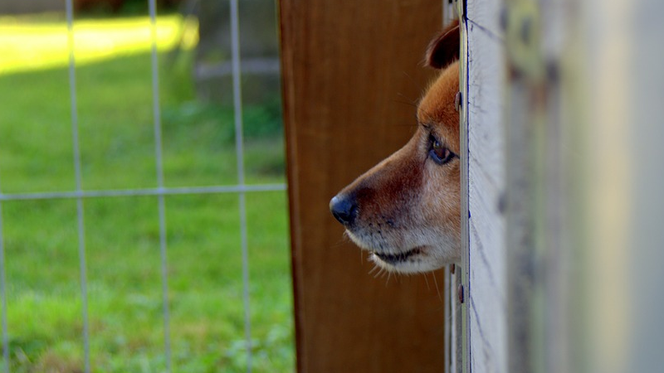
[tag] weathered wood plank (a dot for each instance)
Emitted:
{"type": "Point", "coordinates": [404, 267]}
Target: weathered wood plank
{"type": "Point", "coordinates": [486, 16]}
{"type": "Point", "coordinates": [577, 215]}
{"type": "Point", "coordinates": [487, 310]}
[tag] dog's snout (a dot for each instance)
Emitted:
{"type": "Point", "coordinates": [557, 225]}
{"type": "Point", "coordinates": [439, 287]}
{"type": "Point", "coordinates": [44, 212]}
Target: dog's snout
{"type": "Point", "coordinates": [344, 209]}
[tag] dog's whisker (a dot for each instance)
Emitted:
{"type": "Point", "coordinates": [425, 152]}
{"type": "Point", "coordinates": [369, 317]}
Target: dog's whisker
{"type": "Point", "coordinates": [375, 275]}
{"type": "Point", "coordinates": [411, 79]}
{"type": "Point", "coordinates": [435, 281]}
{"type": "Point", "coordinates": [337, 244]}
{"type": "Point", "coordinates": [406, 102]}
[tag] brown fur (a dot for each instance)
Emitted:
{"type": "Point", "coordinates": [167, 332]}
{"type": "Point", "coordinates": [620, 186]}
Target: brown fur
{"type": "Point", "coordinates": [406, 210]}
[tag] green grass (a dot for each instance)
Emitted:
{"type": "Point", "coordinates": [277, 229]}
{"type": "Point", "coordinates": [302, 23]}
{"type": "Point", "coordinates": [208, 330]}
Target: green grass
{"type": "Point", "coordinates": [122, 234]}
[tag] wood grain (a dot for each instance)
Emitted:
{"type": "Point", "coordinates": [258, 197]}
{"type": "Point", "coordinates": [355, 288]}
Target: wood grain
{"type": "Point", "coordinates": [487, 298]}
{"type": "Point", "coordinates": [352, 73]}
{"type": "Point", "coordinates": [486, 16]}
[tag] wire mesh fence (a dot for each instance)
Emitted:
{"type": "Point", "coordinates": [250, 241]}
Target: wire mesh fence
{"type": "Point", "coordinates": [85, 200]}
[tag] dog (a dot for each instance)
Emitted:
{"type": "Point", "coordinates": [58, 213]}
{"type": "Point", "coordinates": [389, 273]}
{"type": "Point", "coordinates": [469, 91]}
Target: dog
{"type": "Point", "coordinates": [406, 209]}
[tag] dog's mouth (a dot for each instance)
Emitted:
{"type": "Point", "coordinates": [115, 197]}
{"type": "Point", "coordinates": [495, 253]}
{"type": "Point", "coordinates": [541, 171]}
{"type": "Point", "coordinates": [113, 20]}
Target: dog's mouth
{"type": "Point", "coordinates": [414, 260]}
{"type": "Point", "coordinates": [395, 259]}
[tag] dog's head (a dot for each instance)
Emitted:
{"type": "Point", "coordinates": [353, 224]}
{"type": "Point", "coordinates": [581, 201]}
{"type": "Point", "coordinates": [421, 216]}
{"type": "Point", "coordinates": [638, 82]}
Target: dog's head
{"type": "Point", "coordinates": [406, 210]}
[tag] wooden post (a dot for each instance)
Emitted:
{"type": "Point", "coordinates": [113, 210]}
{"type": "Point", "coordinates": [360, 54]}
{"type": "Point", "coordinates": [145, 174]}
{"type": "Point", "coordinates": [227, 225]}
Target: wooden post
{"type": "Point", "coordinates": [352, 74]}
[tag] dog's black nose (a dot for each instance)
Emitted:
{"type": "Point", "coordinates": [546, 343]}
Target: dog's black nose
{"type": "Point", "coordinates": [344, 209]}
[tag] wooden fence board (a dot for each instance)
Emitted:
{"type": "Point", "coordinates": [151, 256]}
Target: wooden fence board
{"type": "Point", "coordinates": [487, 299]}
{"type": "Point", "coordinates": [352, 72]}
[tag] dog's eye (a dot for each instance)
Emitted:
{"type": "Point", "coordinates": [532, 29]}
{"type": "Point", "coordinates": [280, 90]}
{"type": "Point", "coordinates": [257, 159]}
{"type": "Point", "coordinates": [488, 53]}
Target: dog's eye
{"type": "Point", "coordinates": [439, 153]}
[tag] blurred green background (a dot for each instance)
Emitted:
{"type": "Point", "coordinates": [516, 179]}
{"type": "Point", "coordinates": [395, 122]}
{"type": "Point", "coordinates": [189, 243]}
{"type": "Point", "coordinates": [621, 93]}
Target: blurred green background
{"type": "Point", "coordinates": [114, 92]}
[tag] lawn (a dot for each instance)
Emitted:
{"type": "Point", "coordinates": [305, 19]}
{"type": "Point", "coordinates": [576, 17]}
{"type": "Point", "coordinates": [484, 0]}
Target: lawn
{"type": "Point", "coordinates": [122, 234]}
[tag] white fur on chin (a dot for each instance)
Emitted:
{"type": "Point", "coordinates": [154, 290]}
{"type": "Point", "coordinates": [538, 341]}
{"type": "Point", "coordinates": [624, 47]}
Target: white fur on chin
{"type": "Point", "coordinates": [436, 252]}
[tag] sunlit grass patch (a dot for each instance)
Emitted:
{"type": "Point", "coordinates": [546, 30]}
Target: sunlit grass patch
{"type": "Point", "coordinates": [29, 43]}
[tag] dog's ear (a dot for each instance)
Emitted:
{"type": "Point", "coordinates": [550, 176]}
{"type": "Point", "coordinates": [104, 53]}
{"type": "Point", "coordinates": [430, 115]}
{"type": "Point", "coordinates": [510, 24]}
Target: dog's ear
{"type": "Point", "coordinates": [444, 49]}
